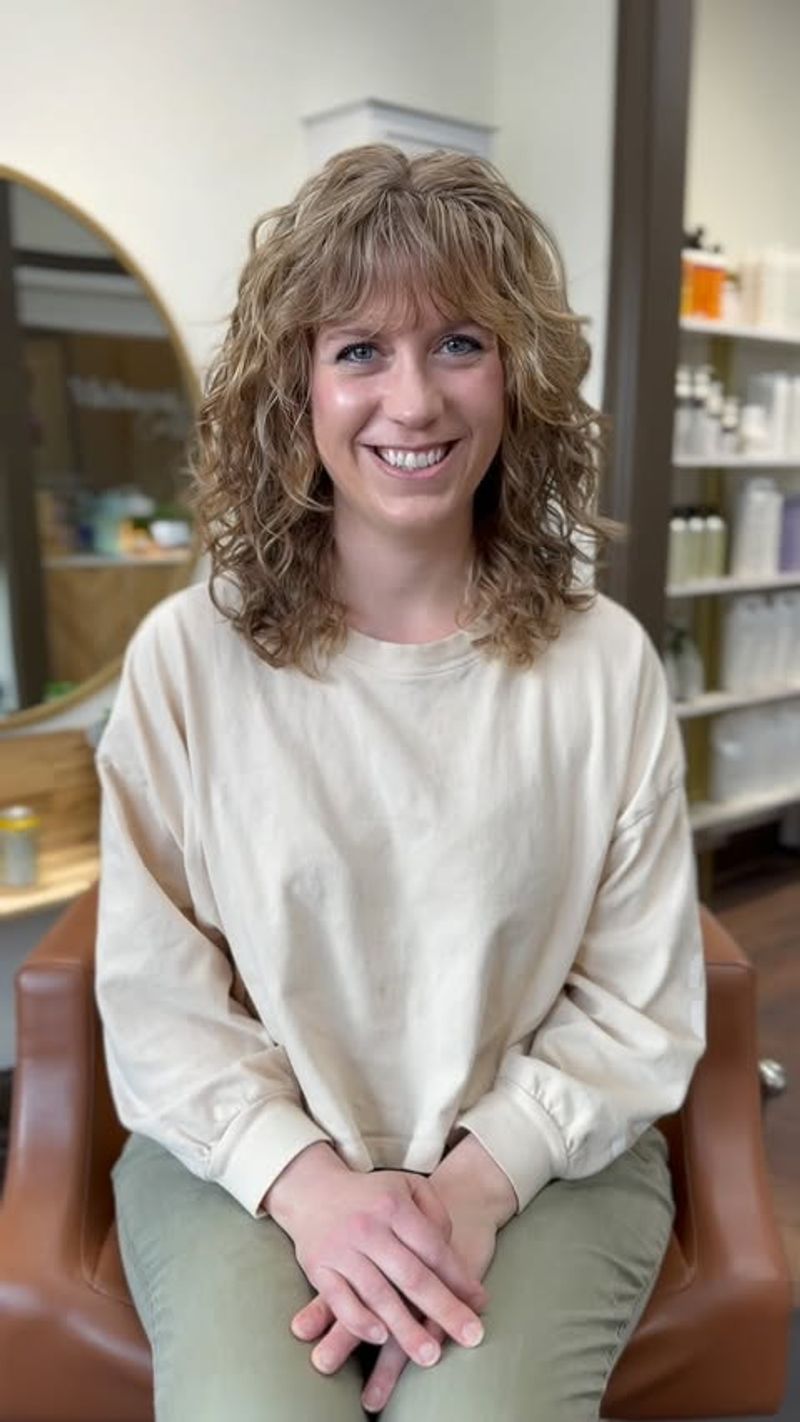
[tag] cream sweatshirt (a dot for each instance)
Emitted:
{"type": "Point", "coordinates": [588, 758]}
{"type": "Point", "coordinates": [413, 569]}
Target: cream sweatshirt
{"type": "Point", "coordinates": [430, 894]}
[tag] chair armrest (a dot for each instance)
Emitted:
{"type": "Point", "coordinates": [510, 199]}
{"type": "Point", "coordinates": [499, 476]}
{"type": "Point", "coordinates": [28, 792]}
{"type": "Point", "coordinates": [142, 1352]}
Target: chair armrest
{"type": "Point", "coordinates": [730, 1226]}
{"type": "Point", "coordinates": [59, 1080]}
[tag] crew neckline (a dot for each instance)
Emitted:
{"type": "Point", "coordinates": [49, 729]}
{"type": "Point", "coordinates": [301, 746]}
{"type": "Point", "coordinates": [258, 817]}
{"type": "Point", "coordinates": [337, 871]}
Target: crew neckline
{"type": "Point", "coordinates": [411, 658]}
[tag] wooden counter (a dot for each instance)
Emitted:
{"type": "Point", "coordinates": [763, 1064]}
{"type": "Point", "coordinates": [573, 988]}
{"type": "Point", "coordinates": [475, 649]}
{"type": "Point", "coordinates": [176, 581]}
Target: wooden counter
{"type": "Point", "coordinates": [64, 874]}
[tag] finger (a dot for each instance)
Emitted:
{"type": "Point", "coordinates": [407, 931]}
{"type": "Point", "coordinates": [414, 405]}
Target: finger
{"type": "Point", "coordinates": [389, 1365]}
{"type": "Point", "coordinates": [416, 1232]}
{"type": "Point", "coordinates": [346, 1305]}
{"type": "Point", "coordinates": [335, 1349]}
{"type": "Point", "coordinates": [312, 1319]}
{"type": "Point", "coordinates": [423, 1287]}
{"type": "Point", "coordinates": [375, 1289]}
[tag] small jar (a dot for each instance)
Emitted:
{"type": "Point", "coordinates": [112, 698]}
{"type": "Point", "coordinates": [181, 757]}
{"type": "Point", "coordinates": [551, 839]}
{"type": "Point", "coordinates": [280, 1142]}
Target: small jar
{"type": "Point", "coordinates": [19, 845]}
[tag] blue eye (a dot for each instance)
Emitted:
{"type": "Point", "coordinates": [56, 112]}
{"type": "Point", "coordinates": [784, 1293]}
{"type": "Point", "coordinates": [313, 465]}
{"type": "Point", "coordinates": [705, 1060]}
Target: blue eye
{"type": "Point", "coordinates": [346, 354]}
{"type": "Point", "coordinates": [465, 341]}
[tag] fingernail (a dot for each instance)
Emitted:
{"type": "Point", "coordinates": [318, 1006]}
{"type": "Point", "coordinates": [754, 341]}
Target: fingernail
{"type": "Point", "coordinates": [428, 1353]}
{"type": "Point", "coordinates": [472, 1334]}
{"type": "Point", "coordinates": [378, 1335]}
{"type": "Point", "coordinates": [321, 1361]}
{"type": "Point", "coordinates": [373, 1401]}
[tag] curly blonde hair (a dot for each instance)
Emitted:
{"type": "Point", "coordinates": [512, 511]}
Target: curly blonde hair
{"type": "Point", "coordinates": [374, 228]}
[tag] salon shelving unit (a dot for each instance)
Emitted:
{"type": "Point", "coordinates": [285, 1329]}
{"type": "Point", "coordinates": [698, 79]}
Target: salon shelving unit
{"type": "Point", "coordinates": [711, 822]}
{"type": "Point", "coordinates": [712, 703]}
{"type": "Point", "coordinates": [731, 815]}
{"type": "Point", "coordinates": [732, 461]}
{"type": "Point", "coordinates": [719, 587]}
{"type": "Point", "coordinates": [695, 326]}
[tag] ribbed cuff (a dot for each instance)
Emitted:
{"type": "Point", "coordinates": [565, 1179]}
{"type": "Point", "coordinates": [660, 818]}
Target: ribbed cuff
{"type": "Point", "coordinates": [520, 1139]}
{"type": "Point", "coordinates": [258, 1145]}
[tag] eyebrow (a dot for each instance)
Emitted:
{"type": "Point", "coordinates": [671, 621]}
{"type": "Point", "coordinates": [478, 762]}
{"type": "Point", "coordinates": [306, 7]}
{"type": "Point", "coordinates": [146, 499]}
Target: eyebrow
{"type": "Point", "coordinates": [330, 333]}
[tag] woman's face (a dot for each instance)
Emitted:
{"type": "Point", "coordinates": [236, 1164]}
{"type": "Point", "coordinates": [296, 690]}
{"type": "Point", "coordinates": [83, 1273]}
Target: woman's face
{"type": "Point", "coordinates": [406, 419]}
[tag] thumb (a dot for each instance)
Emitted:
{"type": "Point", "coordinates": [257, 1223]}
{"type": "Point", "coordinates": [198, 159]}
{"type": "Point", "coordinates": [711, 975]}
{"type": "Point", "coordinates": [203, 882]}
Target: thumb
{"type": "Point", "coordinates": [431, 1205]}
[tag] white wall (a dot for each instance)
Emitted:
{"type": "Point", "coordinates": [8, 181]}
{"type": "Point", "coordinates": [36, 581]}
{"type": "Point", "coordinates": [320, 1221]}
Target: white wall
{"type": "Point", "coordinates": [555, 66]}
{"type": "Point", "coordinates": [175, 125]}
{"type": "Point", "coordinates": [744, 124]}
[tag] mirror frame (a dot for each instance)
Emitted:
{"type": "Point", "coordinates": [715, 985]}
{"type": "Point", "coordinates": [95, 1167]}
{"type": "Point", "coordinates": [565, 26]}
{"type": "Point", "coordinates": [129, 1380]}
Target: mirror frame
{"type": "Point", "coordinates": [48, 710]}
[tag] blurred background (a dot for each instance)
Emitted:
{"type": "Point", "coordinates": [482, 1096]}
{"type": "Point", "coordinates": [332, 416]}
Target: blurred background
{"type": "Point", "coordinates": [657, 139]}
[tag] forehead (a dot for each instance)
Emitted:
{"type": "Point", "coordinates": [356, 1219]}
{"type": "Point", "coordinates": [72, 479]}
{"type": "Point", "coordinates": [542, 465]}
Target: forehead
{"type": "Point", "coordinates": [392, 317]}
{"type": "Point", "coordinates": [392, 305]}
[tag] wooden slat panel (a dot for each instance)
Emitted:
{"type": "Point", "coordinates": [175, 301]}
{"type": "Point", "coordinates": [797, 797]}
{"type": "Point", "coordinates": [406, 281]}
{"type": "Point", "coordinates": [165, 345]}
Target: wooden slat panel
{"type": "Point", "coordinates": [55, 774]}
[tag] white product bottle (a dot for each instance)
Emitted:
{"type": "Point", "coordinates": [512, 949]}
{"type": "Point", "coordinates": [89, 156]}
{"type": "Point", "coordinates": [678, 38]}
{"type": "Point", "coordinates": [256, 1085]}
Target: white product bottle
{"type": "Point", "coordinates": [683, 423]}
{"type": "Point", "coordinates": [793, 291]}
{"type": "Point", "coordinates": [713, 430]}
{"type": "Point", "coordinates": [754, 433]}
{"type": "Point", "coordinates": [728, 749]}
{"type": "Point", "coordinates": [672, 674]}
{"type": "Point", "coordinates": [695, 545]}
{"type": "Point", "coordinates": [784, 641]}
{"type": "Point", "coordinates": [715, 546]}
{"type": "Point", "coordinates": [750, 289]}
{"type": "Point", "coordinates": [731, 299]}
{"type": "Point", "coordinates": [739, 627]}
{"type": "Point", "coordinates": [691, 672]}
{"type": "Point", "coordinates": [677, 551]}
{"type": "Point", "coordinates": [698, 440]}
{"type": "Point", "coordinates": [756, 541]}
{"type": "Point", "coordinates": [729, 426]}
{"type": "Point", "coordinates": [791, 601]}
{"type": "Point", "coordinates": [763, 666]}
{"type": "Point", "coordinates": [793, 422]}
{"type": "Point", "coordinates": [753, 732]}
{"type": "Point", "coordinates": [781, 397]}
{"type": "Point", "coordinates": [773, 531]}
{"type": "Point", "coordinates": [772, 390]}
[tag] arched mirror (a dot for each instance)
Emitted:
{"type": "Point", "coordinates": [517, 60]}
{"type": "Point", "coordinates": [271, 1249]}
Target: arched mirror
{"type": "Point", "coordinates": [96, 404]}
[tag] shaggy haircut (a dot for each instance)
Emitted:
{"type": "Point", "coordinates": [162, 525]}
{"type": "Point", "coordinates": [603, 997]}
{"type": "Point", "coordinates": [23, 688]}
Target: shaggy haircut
{"type": "Point", "coordinates": [378, 231]}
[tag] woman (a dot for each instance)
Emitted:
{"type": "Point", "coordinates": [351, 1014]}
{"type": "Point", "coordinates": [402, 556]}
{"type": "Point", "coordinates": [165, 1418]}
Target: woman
{"type": "Point", "coordinates": [398, 954]}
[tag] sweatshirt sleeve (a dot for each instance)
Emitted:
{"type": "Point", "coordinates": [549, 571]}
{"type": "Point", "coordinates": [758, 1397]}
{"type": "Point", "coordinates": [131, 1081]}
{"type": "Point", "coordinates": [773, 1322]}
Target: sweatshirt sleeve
{"type": "Point", "coordinates": [188, 1065]}
{"type": "Point", "coordinates": [618, 1047]}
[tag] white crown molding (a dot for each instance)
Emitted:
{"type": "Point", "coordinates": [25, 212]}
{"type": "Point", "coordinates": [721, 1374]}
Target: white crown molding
{"type": "Point", "coordinates": [413, 130]}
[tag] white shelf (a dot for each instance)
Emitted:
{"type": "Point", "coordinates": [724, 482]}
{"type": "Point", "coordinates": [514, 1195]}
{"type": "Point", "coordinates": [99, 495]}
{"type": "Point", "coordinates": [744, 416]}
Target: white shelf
{"type": "Point", "coordinates": [713, 703]}
{"type": "Point", "coordinates": [156, 559]}
{"type": "Point", "coordinates": [736, 461]}
{"type": "Point", "coordinates": [749, 810]}
{"type": "Point", "coordinates": [697, 326]}
{"type": "Point", "coordinates": [714, 587]}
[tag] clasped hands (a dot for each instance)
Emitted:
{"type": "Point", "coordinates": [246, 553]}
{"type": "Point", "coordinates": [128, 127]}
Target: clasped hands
{"type": "Point", "coordinates": [396, 1258]}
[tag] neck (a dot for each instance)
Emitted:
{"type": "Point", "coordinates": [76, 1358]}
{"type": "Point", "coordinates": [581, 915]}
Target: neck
{"type": "Point", "coordinates": [402, 590]}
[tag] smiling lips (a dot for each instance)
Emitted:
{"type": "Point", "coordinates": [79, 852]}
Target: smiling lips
{"type": "Point", "coordinates": [410, 460]}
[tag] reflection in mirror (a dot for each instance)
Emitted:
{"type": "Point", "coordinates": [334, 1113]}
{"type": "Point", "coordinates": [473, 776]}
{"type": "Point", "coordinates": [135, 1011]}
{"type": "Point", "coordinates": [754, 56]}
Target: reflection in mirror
{"type": "Point", "coordinates": [94, 418]}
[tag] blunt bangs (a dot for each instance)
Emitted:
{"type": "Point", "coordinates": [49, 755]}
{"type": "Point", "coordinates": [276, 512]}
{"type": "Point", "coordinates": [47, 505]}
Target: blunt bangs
{"type": "Point", "coordinates": [403, 254]}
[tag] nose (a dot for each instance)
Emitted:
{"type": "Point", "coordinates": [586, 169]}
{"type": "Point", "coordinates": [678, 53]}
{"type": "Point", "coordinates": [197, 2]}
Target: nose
{"type": "Point", "coordinates": [411, 394]}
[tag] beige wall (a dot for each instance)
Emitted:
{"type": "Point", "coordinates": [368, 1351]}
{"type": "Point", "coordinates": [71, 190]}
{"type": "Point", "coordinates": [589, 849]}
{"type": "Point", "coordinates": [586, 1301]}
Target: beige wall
{"type": "Point", "coordinates": [744, 123]}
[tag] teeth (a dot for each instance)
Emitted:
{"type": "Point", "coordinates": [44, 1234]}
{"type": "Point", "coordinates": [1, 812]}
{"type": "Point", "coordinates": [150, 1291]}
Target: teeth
{"type": "Point", "coordinates": [406, 459]}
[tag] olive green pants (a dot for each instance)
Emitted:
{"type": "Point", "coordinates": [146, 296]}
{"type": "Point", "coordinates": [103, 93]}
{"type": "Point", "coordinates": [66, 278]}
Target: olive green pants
{"type": "Point", "coordinates": [216, 1289]}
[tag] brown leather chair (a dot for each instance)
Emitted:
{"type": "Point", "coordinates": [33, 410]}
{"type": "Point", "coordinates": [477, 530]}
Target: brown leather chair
{"type": "Point", "coordinates": [712, 1342]}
